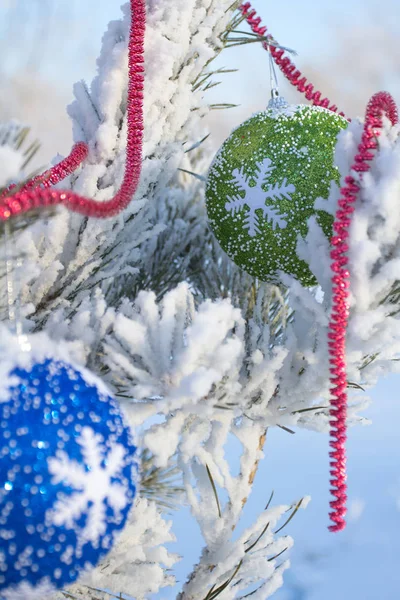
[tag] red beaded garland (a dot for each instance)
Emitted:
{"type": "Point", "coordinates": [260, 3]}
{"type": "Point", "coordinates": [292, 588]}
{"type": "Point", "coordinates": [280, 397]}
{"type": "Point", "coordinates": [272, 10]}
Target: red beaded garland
{"type": "Point", "coordinates": [36, 193]}
{"type": "Point", "coordinates": [287, 67]}
{"type": "Point", "coordinates": [380, 104]}
{"type": "Point", "coordinates": [57, 173]}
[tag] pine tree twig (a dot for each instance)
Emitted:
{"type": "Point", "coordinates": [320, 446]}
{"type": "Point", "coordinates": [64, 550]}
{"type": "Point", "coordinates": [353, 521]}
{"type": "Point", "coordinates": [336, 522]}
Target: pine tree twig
{"type": "Point", "coordinates": [253, 472]}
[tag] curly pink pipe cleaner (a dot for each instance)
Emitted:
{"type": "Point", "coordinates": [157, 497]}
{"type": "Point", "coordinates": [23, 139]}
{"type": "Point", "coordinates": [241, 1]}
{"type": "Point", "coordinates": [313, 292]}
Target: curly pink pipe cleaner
{"type": "Point", "coordinates": [62, 170]}
{"type": "Point", "coordinates": [31, 197]}
{"type": "Point", "coordinates": [285, 64]}
{"type": "Point", "coordinates": [57, 173]}
{"type": "Point", "coordinates": [381, 104]}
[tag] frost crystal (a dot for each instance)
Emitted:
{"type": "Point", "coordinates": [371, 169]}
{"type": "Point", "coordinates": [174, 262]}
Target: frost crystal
{"type": "Point", "coordinates": [255, 197]}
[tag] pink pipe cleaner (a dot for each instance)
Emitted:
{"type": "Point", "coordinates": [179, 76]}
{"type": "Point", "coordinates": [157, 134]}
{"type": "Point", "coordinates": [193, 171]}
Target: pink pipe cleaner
{"type": "Point", "coordinates": [287, 67]}
{"type": "Point", "coordinates": [57, 173]}
{"type": "Point", "coordinates": [380, 104]}
{"type": "Point", "coordinates": [62, 170]}
{"type": "Point", "coordinates": [31, 197]}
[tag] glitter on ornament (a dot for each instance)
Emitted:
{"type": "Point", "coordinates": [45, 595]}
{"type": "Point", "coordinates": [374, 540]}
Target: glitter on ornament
{"type": "Point", "coordinates": [66, 477]}
{"type": "Point", "coordinates": [263, 184]}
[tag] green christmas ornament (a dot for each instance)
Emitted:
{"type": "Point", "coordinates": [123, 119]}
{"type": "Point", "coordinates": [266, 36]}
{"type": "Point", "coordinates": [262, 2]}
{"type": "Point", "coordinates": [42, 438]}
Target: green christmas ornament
{"type": "Point", "coordinates": [263, 184]}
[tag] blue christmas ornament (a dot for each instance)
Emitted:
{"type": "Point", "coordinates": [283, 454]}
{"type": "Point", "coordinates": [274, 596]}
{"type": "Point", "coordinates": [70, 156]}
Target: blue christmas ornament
{"type": "Point", "coordinates": [66, 478]}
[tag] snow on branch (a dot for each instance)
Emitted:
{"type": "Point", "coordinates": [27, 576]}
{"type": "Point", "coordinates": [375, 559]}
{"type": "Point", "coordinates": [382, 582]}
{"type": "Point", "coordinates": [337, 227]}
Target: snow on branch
{"type": "Point", "coordinates": [373, 337]}
{"type": "Point", "coordinates": [139, 565]}
{"type": "Point", "coordinates": [70, 255]}
{"type": "Point", "coordinates": [188, 365]}
{"type": "Point", "coordinates": [199, 353]}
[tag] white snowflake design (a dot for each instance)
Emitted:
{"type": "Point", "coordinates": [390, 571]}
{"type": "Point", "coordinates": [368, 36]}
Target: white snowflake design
{"type": "Point", "coordinates": [255, 197]}
{"type": "Point", "coordinates": [94, 488]}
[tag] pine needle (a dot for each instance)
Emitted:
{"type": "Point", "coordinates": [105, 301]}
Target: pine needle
{"type": "Point", "coordinates": [269, 501]}
{"type": "Point", "coordinates": [223, 106]}
{"type": "Point", "coordinates": [15, 136]}
{"type": "Point", "coordinates": [196, 175]}
{"type": "Point", "coordinates": [161, 485]}
{"type": "Point", "coordinates": [214, 490]}
{"type": "Point", "coordinates": [304, 410]}
{"type": "Point", "coordinates": [286, 429]}
{"type": "Point", "coordinates": [258, 539]}
{"type": "Point", "coordinates": [278, 555]}
{"type": "Point", "coordinates": [214, 593]}
{"type": "Point", "coordinates": [291, 516]}
{"type": "Point", "coordinates": [197, 144]}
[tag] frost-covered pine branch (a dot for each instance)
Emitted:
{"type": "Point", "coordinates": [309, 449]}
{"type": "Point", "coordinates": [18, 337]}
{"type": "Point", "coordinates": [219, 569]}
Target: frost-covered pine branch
{"type": "Point", "coordinates": [198, 352]}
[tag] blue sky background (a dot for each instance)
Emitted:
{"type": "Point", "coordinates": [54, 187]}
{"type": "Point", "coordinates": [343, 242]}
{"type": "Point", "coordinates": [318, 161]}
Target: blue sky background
{"type": "Point", "coordinates": [360, 563]}
{"type": "Point", "coordinates": [350, 48]}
